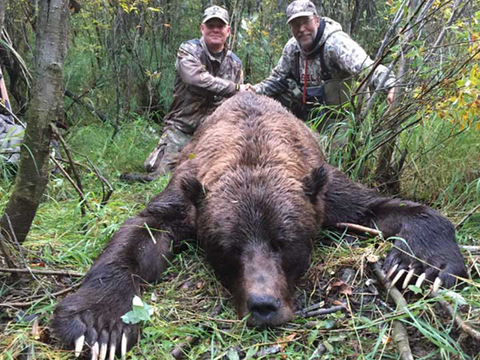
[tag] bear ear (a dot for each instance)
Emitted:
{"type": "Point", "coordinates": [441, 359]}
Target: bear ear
{"type": "Point", "coordinates": [193, 190]}
{"type": "Point", "coordinates": [315, 182]}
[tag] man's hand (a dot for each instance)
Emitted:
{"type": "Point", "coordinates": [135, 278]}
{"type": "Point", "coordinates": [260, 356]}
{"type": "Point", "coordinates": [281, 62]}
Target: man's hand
{"type": "Point", "coordinates": [391, 96]}
{"type": "Point", "coordinates": [246, 87]}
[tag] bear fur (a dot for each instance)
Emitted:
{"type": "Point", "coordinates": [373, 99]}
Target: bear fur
{"type": "Point", "coordinates": [253, 188]}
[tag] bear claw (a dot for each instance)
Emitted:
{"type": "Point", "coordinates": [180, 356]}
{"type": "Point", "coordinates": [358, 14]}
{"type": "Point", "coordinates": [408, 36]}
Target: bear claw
{"type": "Point", "coordinates": [397, 277]}
{"type": "Point", "coordinates": [103, 352]}
{"type": "Point", "coordinates": [99, 351]}
{"type": "Point", "coordinates": [94, 350]}
{"type": "Point", "coordinates": [391, 271]}
{"type": "Point", "coordinates": [112, 352]}
{"type": "Point", "coordinates": [124, 345]}
{"type": "Point", "coordinates": [436, 285]}
{"type": "Point", "coordinates": [79, 345]}
{"type": "Point", "coordinates": [420, 280]}
{"type": "Point", "coordinates": [408, 278]}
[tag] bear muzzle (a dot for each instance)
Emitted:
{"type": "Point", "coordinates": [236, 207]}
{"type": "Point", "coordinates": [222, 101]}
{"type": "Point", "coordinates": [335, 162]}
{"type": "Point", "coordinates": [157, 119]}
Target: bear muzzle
{"type": "Point", "coordinates": [263, 294]}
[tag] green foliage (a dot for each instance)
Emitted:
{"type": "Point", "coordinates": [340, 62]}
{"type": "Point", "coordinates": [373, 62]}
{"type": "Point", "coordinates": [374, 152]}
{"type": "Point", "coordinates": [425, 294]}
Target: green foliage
{"type": "Point", "coordinates": [141, 311]}
{"type": "Point", "coordinates": [260, 42]}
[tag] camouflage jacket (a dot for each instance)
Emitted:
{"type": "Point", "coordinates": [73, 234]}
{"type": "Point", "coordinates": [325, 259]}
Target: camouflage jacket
{"type": "Point", "coordinates": [11, 136]}
{"type": "Point", "coordinates": [202, 83]}
{"type": "Point", "coordinates": [343, 58]}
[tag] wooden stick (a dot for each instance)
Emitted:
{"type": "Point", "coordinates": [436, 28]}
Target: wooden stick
{"type": "Point", "coordinates": [359, 228]}
{"type": "Point", "coordinates": [105, 194]}
{"type": "Point", "coordinates": [459, 321]}
{"type": "Point", "coordinates": [30, 303]}
{"type": "Point", "coordinates": [88, 106]}
{"type": "Point", "coordinates": [41, 272]}
{"type": "Point", "coordinates": [70, 180]}
{"type": "Point", "coordinates": [470, 248]}
{"type": "Point", "coordinates": [321, 312]}
{"type": "Point", "coordinates": [69, 157]}
{"type": "Point", "coordinates": [466, 217]}
{"type": "Point", "coordinates": [400, 335]}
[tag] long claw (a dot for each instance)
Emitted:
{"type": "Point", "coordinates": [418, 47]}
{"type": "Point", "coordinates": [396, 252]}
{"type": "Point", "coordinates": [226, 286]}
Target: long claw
{"type": "Point", "coordinates": [124, 345]}
{"type": "Point", "coordinates": [103, 351]}
{"type": "Point", "coordinates": [420, 280]}
{"type": "Point", "coordinates": [391, 271]}
{"type": "Point", "coordinates": [94, 351]}
{"type": "Point", "coordinates": [436, 284]}
{"type": "Point", "coordinates": [111, 354]}
{"type": "Point", "coordinates": [397, 277]}
{"type": "Point", "coordinates": [408, 278]}
{"type": "Point", "coordinates": [79, 345]}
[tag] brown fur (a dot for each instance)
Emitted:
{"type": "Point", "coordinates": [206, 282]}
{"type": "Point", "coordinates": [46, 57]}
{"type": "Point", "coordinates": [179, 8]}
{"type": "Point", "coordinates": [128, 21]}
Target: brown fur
{"type": "Point", "coordinates": [253, 188]}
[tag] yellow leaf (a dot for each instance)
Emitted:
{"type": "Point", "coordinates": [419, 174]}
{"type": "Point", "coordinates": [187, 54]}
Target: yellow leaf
{"type": "Point", "coordinates": [283, 342]}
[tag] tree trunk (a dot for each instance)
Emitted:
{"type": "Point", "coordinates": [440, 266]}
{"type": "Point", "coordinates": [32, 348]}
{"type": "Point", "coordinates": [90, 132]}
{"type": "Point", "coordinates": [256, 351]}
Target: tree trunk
{"type": "Point", "coordinates": [3, 7]}
{"type": "Point", "coordinates": [46, 105]}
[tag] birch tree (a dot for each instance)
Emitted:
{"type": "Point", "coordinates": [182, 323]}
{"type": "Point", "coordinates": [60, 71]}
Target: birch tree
{"type": "Point", "coordinates": [46, 105]}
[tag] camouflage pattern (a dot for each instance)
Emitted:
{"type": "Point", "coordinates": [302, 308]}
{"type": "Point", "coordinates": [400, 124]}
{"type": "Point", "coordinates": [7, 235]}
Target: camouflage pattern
{"type": "Point", "coordinates": [215, 12]}
{"type": "Point", "coordinates": [344, 58]}
{"type": "Point", "coordinates": [202, 83]}
{"type": "Point", "coordinates": [300, 8]}
{"type": "Point", "coordinates": [11, 136]}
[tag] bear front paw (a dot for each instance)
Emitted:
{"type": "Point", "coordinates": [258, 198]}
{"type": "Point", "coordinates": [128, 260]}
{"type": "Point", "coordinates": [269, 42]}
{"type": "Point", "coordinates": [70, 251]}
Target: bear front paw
{"type": "Point", "coordinates": [93, 324]}
{"type": "Point", "coordinates": [442, 268]}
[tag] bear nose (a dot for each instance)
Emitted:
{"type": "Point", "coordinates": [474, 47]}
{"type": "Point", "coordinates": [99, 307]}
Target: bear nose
{"type": "Point", "coordinates": [263, 307]}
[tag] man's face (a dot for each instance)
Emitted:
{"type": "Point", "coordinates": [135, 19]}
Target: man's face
{"type": "Point", "coordinates": [215, 33]}
{"type": "Point", "coordinates": [304, 30]}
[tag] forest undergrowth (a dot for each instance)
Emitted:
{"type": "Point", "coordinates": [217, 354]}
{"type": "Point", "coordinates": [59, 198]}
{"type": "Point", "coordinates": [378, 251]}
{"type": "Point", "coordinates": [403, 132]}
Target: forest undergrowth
{"type": "Point", "coordinates": [192, 313]}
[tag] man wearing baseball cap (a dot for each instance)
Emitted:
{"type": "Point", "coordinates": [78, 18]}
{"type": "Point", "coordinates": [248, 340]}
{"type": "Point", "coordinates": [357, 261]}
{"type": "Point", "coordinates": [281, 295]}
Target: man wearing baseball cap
{"type": "Point", "coordinates": [316, 62]}
{"type": "Point", "coordinates": [206, 74]}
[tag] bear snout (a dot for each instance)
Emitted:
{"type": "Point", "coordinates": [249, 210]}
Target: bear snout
{"type": "Point", "coordinates": [267, 310]}
{"type": "Point", "coordinates": [263, 307]}
{"type": "Point", "coordinates": [264, 293]}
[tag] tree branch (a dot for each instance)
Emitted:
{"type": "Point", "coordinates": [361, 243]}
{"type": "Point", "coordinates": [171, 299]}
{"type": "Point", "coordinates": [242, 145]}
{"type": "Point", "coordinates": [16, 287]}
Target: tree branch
{"type": "Point", "coordinates": [400, 335]}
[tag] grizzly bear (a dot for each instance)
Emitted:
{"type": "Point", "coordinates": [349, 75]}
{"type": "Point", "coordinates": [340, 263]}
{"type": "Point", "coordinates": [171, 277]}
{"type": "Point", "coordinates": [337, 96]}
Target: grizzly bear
{"type": "Point", "coordinates": [253, 188]}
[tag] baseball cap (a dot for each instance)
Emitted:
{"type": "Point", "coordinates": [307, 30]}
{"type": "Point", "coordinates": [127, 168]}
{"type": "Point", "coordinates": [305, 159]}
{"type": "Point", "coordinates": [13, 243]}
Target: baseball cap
{"type": "Point", "coordinates": [215, 12]}
{"type": "Point", "coordinates": [300, 8]}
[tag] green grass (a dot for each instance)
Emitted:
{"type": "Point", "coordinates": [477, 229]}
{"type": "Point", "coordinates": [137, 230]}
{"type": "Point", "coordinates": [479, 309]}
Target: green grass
{"type": "Point", "coordinates": [191, 302]}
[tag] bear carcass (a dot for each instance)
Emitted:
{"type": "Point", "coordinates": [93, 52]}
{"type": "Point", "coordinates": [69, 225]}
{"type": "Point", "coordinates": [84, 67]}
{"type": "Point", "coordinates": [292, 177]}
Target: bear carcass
{"type": "Point", "coordinates": [253, 188]}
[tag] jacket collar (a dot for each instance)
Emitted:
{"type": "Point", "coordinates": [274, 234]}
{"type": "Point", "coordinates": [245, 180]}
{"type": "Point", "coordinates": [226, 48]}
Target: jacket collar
{"type": "Point", "coordinates": [209, 54]}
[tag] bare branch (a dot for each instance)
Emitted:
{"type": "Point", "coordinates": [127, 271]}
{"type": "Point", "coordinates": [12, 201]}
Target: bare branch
{"type": "Point", "coordinates": [77, 189]}
{"type": "Point", "coordinates": [69, 156]}
{"type": "Point", "coordinates": [400, 335]}
{"type": "Point", "coordinates": [359, 228]}
{"type": "Point", "coordinates": [466, 217]}
{"type": "Point", "coordinates": [41, 272]}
